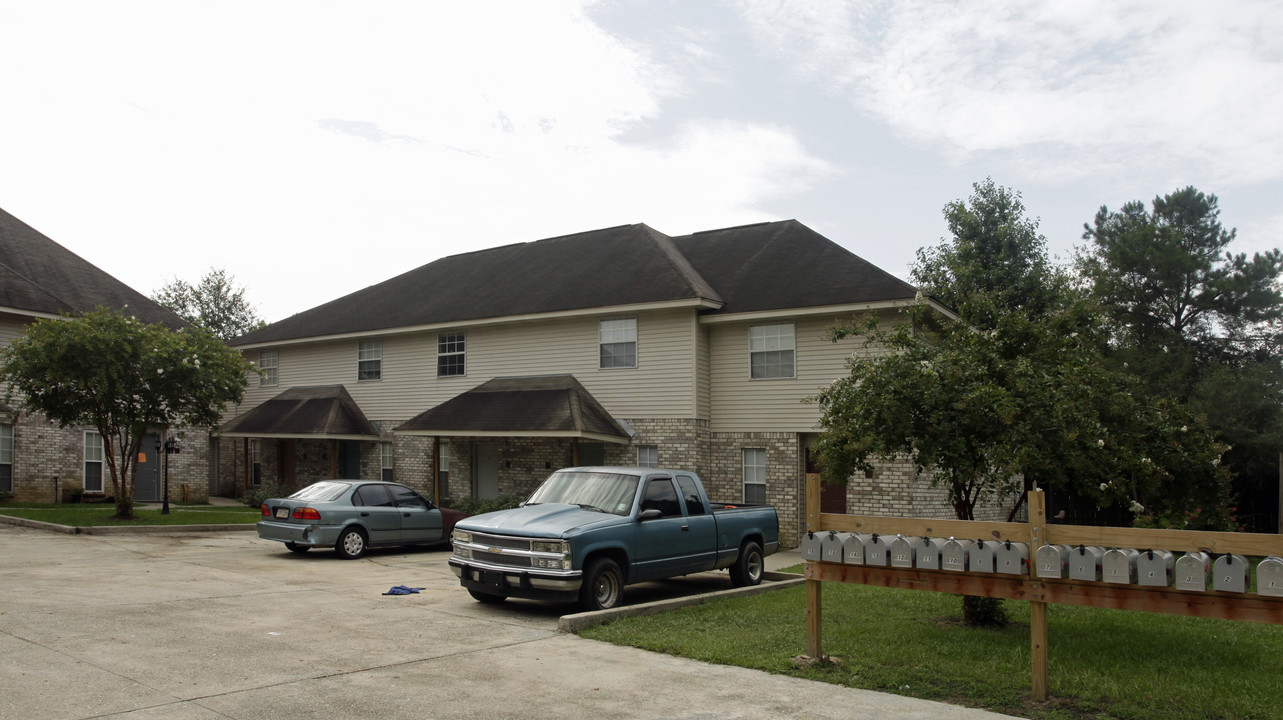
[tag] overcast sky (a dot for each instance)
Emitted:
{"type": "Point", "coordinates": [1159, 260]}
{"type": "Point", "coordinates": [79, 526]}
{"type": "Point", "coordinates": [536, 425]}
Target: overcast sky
{"type": "Point", "coordinates": [315, 148]}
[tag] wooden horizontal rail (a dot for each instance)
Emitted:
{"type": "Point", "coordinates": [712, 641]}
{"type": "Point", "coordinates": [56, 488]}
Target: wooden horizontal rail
{"type": "Point", "coordinates": [1214, 604]}
{"type": "Point", "coordinates": [1213, 543]}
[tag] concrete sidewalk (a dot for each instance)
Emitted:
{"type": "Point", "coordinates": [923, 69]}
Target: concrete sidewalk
{"type": "Point", "coordinates": [219, 625]}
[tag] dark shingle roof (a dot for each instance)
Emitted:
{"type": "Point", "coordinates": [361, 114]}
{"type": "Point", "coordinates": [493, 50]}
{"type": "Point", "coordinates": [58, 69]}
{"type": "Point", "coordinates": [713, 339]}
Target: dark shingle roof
{"type": "Point", "coordinates": [304, 412]}
{"type": "Point", "coordinates": [785, 264]}
{"type": "Point", "coordinates": [771, 266]}
{"type": "Point", "coordinates": [539, 406]}
{"type": "Point", "coordinates": [39, 276]}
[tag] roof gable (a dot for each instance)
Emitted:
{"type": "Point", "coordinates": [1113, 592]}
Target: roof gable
{"type": "Point", "coordinates": [783, 265]}
{"type": "Point", "coordinates": [39, 276]}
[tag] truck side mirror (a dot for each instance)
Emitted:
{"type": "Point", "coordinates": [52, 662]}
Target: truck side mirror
{"type": "Point", "coordinates": [650, 514]}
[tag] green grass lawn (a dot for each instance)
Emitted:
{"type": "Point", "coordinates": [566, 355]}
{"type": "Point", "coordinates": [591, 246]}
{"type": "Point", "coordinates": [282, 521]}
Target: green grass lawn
{"type": "Point", "coordinates": [1103, 663]}
{"type": "Point", "coordinates": [97, 514]}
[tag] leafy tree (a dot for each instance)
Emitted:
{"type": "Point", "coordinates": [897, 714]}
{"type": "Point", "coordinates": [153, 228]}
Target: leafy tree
{"type": "Point", "coordinates": [122, 377]}
{"type": "Point", "coordinates": [995, 262]}
{"type": "Point", "coordinates": [1197, 322]}
{"type": "Point", "coordinates": [215, 303]}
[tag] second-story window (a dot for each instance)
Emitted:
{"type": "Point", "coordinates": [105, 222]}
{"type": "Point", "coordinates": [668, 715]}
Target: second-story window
{"type": "Point", "coordinates": [269, 368]}
{"type": "Point", "coordinates": [771, 351]}
{"type": "Point", "coordinates": [369, 360]}
{"type": "Point", "coordinates": [618, 343]}
{"type": "Point", "coordinates": [450, 354]}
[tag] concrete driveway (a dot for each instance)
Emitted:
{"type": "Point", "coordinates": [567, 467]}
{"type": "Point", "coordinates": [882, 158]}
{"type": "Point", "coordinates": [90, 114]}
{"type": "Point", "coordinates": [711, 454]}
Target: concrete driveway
{"type": "Point", "coordinates": [223, 625]}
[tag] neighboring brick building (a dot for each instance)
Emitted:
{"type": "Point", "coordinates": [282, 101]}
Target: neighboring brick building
{"type": "Point", "coordinates": [40, 462]}
{"type": "Point", "coordinates": [477, 374]}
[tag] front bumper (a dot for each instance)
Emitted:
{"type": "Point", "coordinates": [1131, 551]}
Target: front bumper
{"type": "Point", "coordinates": [514, 582]}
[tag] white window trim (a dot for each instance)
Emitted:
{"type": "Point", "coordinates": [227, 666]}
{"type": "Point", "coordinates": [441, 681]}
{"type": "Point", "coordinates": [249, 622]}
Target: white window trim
{"type": "Point", "coordinates": [462, 353]}
{"type": "Point", "coordinates": [642, 462]}
{"type": "Point", "coordinates": [272, 378]}
{"type": "Point", "coordinates": [744, 471]}
{"type": "Point", "coordinates": [792, 342]}
{"type": "Point", "coordinates": [101, 460]}
{"type": "Point", "coordinates": [369, 351]}
{"type": "Point", "coordinates": [629, 336]}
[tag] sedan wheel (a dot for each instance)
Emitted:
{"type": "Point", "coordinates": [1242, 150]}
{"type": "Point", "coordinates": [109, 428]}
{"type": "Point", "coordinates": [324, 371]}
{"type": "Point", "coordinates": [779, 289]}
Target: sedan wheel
{"type": "Point", "coordinates": [351, 544]}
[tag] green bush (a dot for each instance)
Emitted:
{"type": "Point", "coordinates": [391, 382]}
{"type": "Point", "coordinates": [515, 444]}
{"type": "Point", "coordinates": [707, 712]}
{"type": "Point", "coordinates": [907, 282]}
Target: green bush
{"type": "Point", "coordinates": [256, 496]}
{"type": "Point", "coordinates": [472, 506]}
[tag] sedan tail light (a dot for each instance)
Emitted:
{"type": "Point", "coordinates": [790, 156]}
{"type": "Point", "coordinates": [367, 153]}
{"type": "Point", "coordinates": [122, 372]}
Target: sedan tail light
{"type": "Point", "coordinates": [306, 513]}
{"type": "Point", "coordinates": [264, 511]}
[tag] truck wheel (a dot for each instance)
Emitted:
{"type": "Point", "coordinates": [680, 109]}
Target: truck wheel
{"type": "Point", "coordinates": [748, 567]}
{"type": "Point", "coordinates": [351, 544]}
{"type": "Point", "coordinates": [603, 585]}
{"type": "Point", "coordinates": [296, 548]}
{"type": "Point", "coordinates": [486, 598]}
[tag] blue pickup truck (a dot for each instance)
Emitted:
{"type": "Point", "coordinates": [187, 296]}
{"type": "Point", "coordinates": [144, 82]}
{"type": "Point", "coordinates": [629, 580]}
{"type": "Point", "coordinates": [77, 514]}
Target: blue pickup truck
{"type": "Point", "coordinates": [589, 531]}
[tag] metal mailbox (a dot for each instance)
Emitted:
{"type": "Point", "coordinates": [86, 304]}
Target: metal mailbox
{"type": "Point", "coordinates": [831, 546]}
{"type": "Point", "coordinates": [811, 547]}
{"type": "Point", "coordinates": [1011, 558]}
{"type": "Point", "coordinates": [877, 551]}
{"type": "Point", "coordinates": [901, 552]}
{"type": "Point", "coordinates": [1154, 568]}
{"type": "Point", "coordinates": [928, 552]}
{"type": "Point", "coordinates": [1269, 577]}
{"type": "Point", "coordinates": [1229, 573]}
{"type": "Point", "coordinates": [1084, 562]}
{"type": "Point", "coordinates": [1119, 566]}
{"type": "Point", "coordinates": [982, 557]}
{"type": "Point", "coordinates": [1191, 571]}
{"type": "Point", "coordinates": [1052, 561]}
{"type": "Point", "coordinates": [953, 556]}
{"type": "Point", "coordinates": [853, 548]}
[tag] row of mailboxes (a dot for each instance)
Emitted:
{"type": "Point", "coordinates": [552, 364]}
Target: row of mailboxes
{"type": "Point", "coordinates": [1153, 568]}
{"type": "Point", "coordinates": [925, 553]}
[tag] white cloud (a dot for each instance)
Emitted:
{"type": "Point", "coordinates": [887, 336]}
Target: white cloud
{"type": "Point", "coordinates": [315, 148]}
{"type": "Point", "coordinates": [1085, 87]}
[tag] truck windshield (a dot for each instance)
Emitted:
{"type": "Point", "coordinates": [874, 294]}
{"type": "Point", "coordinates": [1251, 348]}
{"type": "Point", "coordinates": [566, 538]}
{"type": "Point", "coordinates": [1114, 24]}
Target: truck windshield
{"type": "Point", "coordinates": [606, 492]}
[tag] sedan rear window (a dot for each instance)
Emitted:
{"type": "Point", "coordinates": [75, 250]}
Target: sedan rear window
{"type": "Point", "coordinates": [322, 491]}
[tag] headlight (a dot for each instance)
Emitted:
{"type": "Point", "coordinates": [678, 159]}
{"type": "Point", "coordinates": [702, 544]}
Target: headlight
{"type": "Point", "coordinates": [561, 547]}
{"type": "Point", "coordinates": [460, 536]}
{"type": "Point", "coordinates": [551, 563]}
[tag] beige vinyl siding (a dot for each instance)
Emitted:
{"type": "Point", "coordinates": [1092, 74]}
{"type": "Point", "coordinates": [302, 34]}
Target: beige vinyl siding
{"type": "Point", "coordinates": [659, 387]}
{"type": "Point", "coordinates": [703, 382]}
{"type": "Point", "coordinates": [740, 404]}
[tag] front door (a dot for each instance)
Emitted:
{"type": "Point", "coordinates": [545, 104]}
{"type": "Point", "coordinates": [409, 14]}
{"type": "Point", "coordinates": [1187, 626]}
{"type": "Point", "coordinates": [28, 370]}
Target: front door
{"type": "Point", "coordinates": [832, 495]}
{"type": "Point", "coordinates": [486, 470]}
{"type": "Point", "coordinates": [350, 459]}
{"type": "Point", "coordinates": [147, 481]}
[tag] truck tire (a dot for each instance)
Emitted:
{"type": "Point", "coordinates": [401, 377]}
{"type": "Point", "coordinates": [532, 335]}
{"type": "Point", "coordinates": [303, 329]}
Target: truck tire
{"type": "Point", "coordinates": [486, 598]}
{"type": "Point", "coordinates": [603, 585]}
{"type": "Point", "coordinates": [351, 543]}
{"type": "Point", "coordinates": [749, 566]}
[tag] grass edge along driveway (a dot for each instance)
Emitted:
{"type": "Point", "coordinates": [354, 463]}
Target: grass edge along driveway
{"type": "Point", "coordinates": [99, 515]}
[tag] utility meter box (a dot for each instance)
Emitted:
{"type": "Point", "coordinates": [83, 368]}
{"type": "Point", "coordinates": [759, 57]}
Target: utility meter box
{"type": "Point", "coordinates": [901, 552]}
{"type": "Point", "coordinates": [953, 556]}
{"type": "Point", "coordinates": [1154, 568]}
{"type": "Point", "coordinates": [1229, 573]}
{"type": "Point", "coordinates": [811, 547]}
{"type": "Point", "coordinates": [853, 548]}
{"type": "Point", "coordinates": [1269, 577]}
{"type": "Point", "coordinates": [877, 551]}
{"type": "Point", "coordinates": [1191, 571]}
{"type": "Point", "coordinates": [1119, 566]}
{"type": "Point", "coordinates": [1084, 562]}
{"type": "Point", "coordinates": [983, 556]}
{"type": "Point", "coordinates": [1011, 558]}
{"type": "Point", "coordinates": [928, 551]}
{"type": "Point", "coordinates": [1052, 561]}
{"type": "Point", "coordinates": [831, 546]}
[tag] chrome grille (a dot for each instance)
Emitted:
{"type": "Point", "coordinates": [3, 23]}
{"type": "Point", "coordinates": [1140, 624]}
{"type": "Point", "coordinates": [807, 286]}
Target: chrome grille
{"type": "Point", "coordinates": [497, 559]}
{"type": "Point", "coordinates": [500, 541]}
